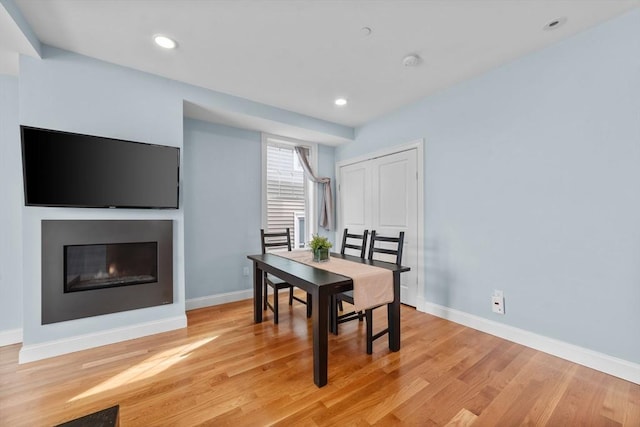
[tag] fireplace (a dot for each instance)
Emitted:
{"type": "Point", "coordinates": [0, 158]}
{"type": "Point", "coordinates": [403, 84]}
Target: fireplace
{"type": "Point", "coordinates": [91, 268]}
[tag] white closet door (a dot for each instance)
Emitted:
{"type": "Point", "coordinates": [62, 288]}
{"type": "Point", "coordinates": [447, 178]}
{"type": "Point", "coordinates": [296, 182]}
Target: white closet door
{"type": "Point", "coordinates": [381, 194]}
{"type": "Point", "coordinates": [355, 196]}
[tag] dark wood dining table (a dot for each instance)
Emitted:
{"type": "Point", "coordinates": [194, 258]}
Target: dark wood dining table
{"type": "Point", "coordinates": [321, 285]}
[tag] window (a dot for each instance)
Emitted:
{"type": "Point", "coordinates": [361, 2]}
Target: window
{"type": "Point", "coordinates": [299, 230]}
{"type": "Point", "coordinates": [287, 195]}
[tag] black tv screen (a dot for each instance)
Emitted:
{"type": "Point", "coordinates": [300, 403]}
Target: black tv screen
{"type": "Point", "coordinates": [72, 170]}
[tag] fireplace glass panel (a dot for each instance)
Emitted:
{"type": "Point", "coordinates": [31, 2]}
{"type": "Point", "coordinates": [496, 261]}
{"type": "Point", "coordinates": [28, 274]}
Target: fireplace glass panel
{"type": "Point", "coordinates": [109, 265]}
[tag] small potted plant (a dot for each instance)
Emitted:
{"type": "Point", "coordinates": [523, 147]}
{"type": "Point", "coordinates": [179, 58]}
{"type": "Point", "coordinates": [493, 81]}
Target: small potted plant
{"type": "Point", "coordinates": [320, 247]}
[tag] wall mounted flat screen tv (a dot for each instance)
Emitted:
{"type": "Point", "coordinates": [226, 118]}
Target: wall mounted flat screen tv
{"type": "Point", "coordinates": [71, 170]}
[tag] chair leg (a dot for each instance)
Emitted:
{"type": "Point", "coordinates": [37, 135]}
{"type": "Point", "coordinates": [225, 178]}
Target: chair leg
{"type": "Point", "coordinates": [340, 305]}
{"type": "Point", "coordinates": [334, 314]}
{"type": "Point", "coordinates": [266, 296]}
{"type": "Point", "coordinates": [369, 316]}
{"type": "Point", "coordinates": [290, 295]}
{"type": "Point", "coordinates": [275, 305]}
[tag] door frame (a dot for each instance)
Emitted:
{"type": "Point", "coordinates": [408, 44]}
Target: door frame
{"type": "Point", "coordinates": [418, 145]}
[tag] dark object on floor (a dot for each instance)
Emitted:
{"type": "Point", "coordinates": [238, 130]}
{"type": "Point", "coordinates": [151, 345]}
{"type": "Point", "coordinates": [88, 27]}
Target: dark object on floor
{"type": "Point", "coordinates": [109, 417]}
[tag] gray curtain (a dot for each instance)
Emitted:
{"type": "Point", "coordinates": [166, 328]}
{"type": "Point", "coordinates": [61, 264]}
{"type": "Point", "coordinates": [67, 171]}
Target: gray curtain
{"type": "Point", "coordinates": [326, 207]}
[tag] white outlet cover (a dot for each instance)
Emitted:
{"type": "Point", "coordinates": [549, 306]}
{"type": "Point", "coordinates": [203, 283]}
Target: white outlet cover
{"type": "Point", "coordinates": [497, 304]}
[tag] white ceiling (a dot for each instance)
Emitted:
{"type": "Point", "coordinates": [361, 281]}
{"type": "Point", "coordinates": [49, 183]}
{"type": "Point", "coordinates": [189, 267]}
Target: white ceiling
{"type": "Point", "coordinates": [299, 55]}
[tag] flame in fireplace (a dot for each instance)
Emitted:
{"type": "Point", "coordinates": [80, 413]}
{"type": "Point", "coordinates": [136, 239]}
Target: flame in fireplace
{"type": "Point", "coordinates": [143, 370]}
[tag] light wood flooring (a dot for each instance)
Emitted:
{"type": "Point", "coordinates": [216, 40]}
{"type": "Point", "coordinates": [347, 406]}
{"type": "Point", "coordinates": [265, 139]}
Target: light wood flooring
{"type": "Point", "coordinates": [225, 370]}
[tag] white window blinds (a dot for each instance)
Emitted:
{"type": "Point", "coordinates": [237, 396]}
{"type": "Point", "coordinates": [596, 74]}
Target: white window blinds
{"type": "Point", "coordinates": [285, 188]}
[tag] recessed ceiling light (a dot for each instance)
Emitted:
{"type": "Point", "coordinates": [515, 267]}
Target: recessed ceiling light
{"type": "Point", "coordinates": [165, 42]}
{"type": "Point", "coordinates": [340, 102]}
{"type": "Point", "coordinates": [556, 23]}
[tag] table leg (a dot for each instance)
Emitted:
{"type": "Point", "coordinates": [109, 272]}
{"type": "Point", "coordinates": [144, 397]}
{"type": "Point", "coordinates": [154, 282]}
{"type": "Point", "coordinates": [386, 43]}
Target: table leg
{"type": "Point", "coordinates": [393, 315]}
{"type": "Point", "coordinates": [257, 293]}
{"type": "Point", "coordinates": [320, 336]}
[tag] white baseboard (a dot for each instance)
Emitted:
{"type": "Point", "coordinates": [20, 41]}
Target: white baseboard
{"type": "Point", "coordinates": [208, 301]}
{"type": "Point", "coordinates": [31, 353]}
{"type": "Point", "coordinates": [11, 336]}
{"type": "Point", "coordinates": [599, 361]}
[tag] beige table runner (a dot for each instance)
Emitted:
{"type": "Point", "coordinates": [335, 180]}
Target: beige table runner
{"type": "Point", "coordinates": [372, 286]}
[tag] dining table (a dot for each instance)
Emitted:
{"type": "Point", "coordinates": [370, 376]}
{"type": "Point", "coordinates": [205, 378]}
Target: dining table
{"type": "Point", "coordinates": [321, 285]}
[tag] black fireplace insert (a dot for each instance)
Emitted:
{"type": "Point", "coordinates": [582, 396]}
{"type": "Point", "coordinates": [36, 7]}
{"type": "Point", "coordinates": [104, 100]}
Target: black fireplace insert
{"type": "Point", "coordinates": [89, 267]}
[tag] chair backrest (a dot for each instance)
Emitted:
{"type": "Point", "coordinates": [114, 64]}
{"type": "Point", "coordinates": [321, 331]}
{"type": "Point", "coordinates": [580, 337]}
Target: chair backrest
{"type": "Point", "coordinates": [377, 242]}
{"type": "Point", "coordinates": [359, 242]}
{"type": "Point", "coordinates": [275, 240]}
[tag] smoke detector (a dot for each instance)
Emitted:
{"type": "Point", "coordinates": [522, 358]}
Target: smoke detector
{"type": "Point", "coordinates": [366, 31]}
{"type": "Point", "coordinates": [411, 60]}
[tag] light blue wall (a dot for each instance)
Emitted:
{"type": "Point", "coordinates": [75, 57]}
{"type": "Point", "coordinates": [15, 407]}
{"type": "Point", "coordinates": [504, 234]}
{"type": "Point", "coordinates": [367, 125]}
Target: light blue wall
{"type": "Point", "coordinates": [10, 211]}
{"type": "Point", "coordinates": [74, 93]}
{"type": "Point", "coordinates": [222, 199]}
{"type": "Point", "coordinates": [531, 186]}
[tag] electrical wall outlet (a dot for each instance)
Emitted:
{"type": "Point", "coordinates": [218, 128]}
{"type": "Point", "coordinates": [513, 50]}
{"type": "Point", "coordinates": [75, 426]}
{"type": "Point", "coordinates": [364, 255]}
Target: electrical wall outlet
{"type": "Point", "coordinates": [497, 302]}
{"type": "Point", "coordinates": [245, 271]}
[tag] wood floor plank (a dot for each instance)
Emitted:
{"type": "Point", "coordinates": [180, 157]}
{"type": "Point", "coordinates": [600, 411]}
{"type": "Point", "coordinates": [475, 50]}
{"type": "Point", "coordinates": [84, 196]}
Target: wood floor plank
{"type": "Point", "coordinates": [441, 407]}
{"type": "Point", "coordinates": [463, 418]}
{"type": "Point", "coordinates": [224, 370]}
{"type": "Point", "coordinates": [393, 398]}
{"type": "Point", "coordinates": [582, 402]}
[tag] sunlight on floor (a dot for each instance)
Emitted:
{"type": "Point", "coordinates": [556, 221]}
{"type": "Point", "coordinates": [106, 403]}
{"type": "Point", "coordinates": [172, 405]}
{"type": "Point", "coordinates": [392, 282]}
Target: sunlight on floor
{"type": "Point", "coordinates": [147, 368]}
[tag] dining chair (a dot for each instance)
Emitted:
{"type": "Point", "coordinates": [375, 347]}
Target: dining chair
{"type": "Point", "coordinates": [271, 241]}
{"type": "Point", "coordinates": [389, 246]}
{"type": "Point", "coordinates": [356, 242]}
{"type": "Point", "coordinates": [375, 248]}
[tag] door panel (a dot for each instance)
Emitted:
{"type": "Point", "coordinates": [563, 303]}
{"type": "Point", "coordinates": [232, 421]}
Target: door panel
{"type": "Point", "coordinates": [354, 194]}
{"type": "Point", "coordinates": [392, 194]}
